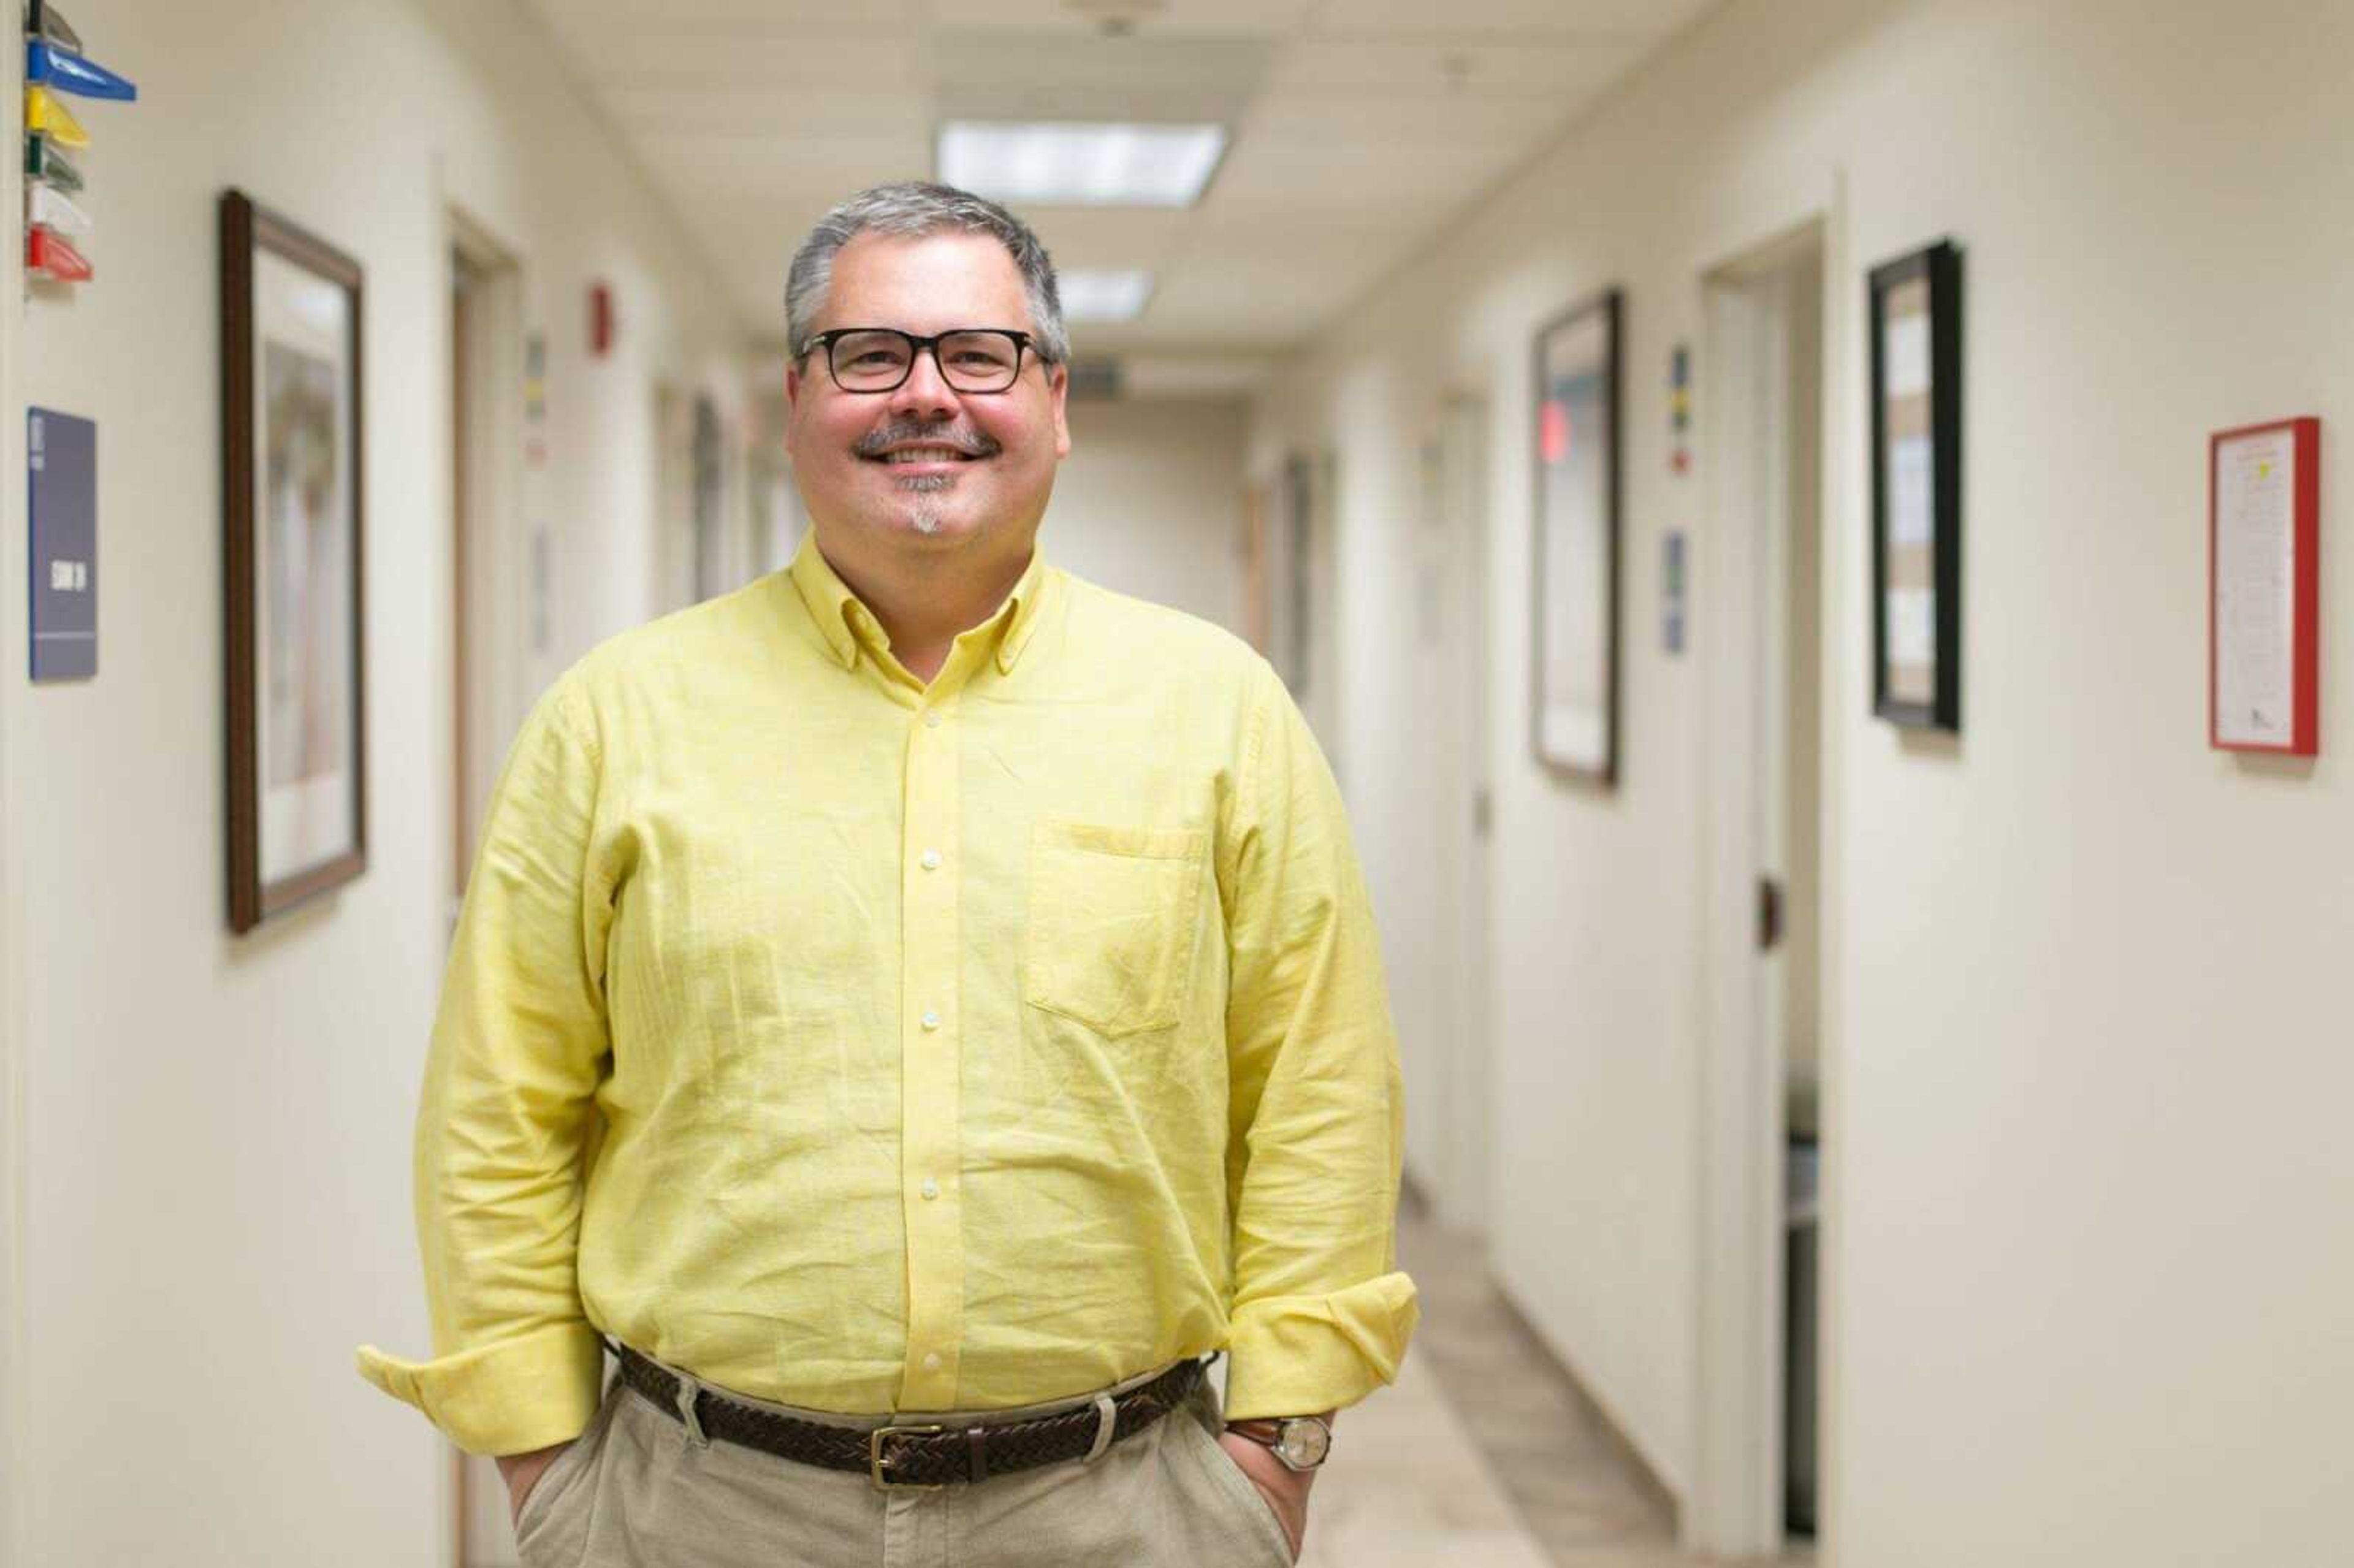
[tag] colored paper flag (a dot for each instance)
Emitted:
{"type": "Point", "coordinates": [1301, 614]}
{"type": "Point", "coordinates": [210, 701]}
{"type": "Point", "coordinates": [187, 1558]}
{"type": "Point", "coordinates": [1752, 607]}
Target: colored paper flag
{"type": "Point", "coordinates": [46, 165]}
{"type": "Point", "coordinates": [49, 255]}
{"type": "Point", "coordinates": [71, 73]}
{"type": "Point", "coordinates": [43, 20]}
{"type": "Point", "coordinates": [53, 208]}
{"type": "Point", "coordinates": [44, 112]}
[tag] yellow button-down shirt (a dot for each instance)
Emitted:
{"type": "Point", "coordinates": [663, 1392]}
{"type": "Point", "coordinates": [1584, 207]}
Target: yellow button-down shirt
{"type": "Point", "coordinates": [873, 1046]}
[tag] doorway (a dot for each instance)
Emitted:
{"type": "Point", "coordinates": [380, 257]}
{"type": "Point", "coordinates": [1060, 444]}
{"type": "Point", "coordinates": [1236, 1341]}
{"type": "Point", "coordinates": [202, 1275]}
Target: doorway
{"type": "Point", "coordinates": [1759, 1361]}
{"type": "Point", "coordinates": [678, 556]}
{"type": "Point", "coordinates": [1452, 610]}
{"type": "Point", "coordinates": [487, 566]}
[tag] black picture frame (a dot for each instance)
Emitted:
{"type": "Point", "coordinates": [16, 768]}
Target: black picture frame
{"type": "Point", "coordinates": [293, 445]}
{"type": "Point", "coordinates": [1915, 312]}
{"type": "Point", "coordinates": [1577, 486]}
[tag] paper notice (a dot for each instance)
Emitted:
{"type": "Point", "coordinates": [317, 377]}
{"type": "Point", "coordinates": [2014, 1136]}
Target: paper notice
{"type": "Point", "coordinates": [1911, 496]}
{"type": "Point", "coordinates": [1913, 627]}
{"type": "Point", "coordinates": [1905, 342]}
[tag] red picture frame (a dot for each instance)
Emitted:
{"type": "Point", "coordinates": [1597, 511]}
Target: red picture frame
{"type": "Point", "coordinates": [2295, 730]}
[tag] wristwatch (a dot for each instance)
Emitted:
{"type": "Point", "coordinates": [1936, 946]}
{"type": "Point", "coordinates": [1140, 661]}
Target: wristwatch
{"type": "Point", "coordinates": [1299, 1442]}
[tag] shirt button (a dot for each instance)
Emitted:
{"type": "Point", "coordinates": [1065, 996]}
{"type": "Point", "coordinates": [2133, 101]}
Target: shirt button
{"type": "Point", "coordinates": [931, 721]}
{"type": "Point", "coordinates": [931, 1360]}
{"type": "Point", "coordinates": [931, 1020]}
{"type": "Point", "coordinates": [931, 1188]}
{"type": "Point", "coordinates": [931, 860]}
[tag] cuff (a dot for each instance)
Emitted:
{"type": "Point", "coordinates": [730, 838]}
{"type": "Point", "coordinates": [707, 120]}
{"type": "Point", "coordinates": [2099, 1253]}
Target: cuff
{"type": "Point", "coordinates": [509, 1397]}
{"type": "Point", "coordinates": [1296, 1355]}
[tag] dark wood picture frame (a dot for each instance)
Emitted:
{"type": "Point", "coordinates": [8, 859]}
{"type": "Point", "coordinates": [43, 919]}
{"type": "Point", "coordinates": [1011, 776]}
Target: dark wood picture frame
{"type": "Point", "coordinates": [247, 232]}
{"type": "Point", "coordinates": [1598, 761]}
{"type": "Point", "coordinates": [1934, 416]}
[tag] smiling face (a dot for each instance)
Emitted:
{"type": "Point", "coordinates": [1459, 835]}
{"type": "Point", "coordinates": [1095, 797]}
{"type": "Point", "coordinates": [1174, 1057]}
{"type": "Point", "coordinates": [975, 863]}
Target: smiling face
{"type": "Point", "coordinates": [926, 470]}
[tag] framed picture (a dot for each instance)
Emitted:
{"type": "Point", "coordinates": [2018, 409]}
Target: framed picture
{"type": "Point", "coordinates": [1917, 489]}
{"type": "Point", "coordinates": [1573, 703]}
{"type": "Point", "coordinates": [292, 443]}
{"type": "Point", "coordinates": [2263, 569]}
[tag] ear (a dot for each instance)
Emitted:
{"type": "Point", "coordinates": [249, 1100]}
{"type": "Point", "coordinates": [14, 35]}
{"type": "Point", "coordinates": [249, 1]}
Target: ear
{"type": "Point", "coordinates": [792, 384]}
{"type": "Point", "coordinates": [1058, 390]}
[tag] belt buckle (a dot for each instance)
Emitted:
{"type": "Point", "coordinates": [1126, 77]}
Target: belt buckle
{"type": "Point", "coordinates": [877, 1461]}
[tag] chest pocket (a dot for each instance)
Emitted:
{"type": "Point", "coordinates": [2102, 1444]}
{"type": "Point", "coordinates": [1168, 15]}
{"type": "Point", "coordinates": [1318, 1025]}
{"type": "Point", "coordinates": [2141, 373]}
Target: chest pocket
{"type": "Point", "coordinates": [1113, 913]}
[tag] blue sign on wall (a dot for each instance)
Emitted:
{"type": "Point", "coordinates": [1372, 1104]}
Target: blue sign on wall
{"type": "Point", "coordinates": [61, 451]}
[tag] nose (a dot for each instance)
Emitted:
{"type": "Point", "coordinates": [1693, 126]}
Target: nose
{"type": "Point", "coordinates": [925, 394]}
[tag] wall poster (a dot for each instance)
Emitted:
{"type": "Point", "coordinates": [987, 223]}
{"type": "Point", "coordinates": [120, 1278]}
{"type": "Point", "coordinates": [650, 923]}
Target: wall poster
{"type": "Point", "coordinates": [292, 444]}
{"type": "Point", "coordinates": [1574, 704]}
{"type": "Point", "coordinates": [1917, 489]}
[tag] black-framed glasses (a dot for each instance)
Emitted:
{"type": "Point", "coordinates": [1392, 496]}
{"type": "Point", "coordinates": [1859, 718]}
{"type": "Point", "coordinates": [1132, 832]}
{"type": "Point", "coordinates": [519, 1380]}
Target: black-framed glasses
{"type": "Point", "coordinates": [880, 359]}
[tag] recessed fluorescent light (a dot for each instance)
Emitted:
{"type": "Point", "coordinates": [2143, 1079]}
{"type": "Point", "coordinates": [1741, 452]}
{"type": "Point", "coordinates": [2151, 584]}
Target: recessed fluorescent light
{"type": "Point", "coordinates": [1072, 165]}
{"type": "Point", "coordinates": [1104, 296]}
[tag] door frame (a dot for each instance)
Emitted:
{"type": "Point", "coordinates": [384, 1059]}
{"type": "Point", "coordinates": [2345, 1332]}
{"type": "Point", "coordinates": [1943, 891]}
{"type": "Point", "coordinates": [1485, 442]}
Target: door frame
{"type": "Point", "coordinates": [490, 653]}
{"type": "Point", "coordinates": [1745, 592]}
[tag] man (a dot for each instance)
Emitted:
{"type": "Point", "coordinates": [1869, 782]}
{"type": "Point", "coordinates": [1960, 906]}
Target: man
{"type": "Point", "coordinates": [915, 1008]}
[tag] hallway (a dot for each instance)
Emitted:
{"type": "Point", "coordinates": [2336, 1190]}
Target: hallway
{"type": "Point", "coordinates": [1483, 1455]}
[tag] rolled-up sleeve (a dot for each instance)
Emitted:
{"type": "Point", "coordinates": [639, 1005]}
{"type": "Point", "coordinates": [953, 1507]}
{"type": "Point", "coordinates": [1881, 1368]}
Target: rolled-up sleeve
{"type": "Point", "coordinates": [1320, 1315]}
{"type": "Point", "coordinates": [519, 1047]}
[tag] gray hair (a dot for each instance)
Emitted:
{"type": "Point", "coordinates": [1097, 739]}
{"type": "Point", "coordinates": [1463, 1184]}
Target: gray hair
{"type": "Point", "coordinates": [914, 209]}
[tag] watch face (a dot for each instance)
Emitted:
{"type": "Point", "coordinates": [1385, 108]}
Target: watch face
{"type": "Point", "coordinates": [1304, 1444]}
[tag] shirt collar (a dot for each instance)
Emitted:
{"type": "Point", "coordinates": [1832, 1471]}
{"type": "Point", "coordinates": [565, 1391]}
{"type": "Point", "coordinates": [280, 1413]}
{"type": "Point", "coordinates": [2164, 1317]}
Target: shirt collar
{"type": "Point", "coordinates": [841, 617]}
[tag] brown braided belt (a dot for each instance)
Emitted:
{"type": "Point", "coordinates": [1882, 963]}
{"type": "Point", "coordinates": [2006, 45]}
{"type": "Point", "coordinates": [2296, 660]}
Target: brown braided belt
{"type": "Point", "coordinates": [915, 1456]}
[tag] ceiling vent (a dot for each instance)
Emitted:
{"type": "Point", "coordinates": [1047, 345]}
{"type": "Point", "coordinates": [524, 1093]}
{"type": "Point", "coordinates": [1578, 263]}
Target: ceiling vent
{"type": "Point", "coordinates": [1115, 19]}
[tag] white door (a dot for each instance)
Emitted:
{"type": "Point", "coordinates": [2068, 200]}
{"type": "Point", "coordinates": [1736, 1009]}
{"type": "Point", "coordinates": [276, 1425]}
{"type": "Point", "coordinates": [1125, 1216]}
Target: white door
{"type": "Point", "coordinates": [1460, 590]}
{"type": "Point", "coordinates": [1759, 570]}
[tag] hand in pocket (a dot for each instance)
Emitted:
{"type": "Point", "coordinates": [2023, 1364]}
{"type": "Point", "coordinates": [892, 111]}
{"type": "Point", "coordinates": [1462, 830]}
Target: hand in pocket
{"type": "Point", "coordinates": [522, 1473]}
{"type": "Point", "coordinates": [1284, 1489]}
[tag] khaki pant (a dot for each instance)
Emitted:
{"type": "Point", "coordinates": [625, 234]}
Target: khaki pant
{"type": "Point", "coordinates": [636, 1491]}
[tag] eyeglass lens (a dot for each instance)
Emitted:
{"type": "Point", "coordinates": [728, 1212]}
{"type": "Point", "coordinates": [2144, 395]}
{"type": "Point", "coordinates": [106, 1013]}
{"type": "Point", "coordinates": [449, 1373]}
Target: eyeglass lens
{"type": "Point", "coordinates": [880, 359]}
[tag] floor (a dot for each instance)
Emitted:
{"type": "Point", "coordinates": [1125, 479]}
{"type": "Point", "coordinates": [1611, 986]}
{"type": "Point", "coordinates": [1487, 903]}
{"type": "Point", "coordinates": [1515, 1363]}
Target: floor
{"type": "Point", "coordinates": [1483, 1453]}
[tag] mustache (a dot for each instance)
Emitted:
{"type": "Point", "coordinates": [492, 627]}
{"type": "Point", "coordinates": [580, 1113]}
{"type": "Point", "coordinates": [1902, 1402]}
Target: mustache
{"type": "Point", "coordinates": [962, 438]}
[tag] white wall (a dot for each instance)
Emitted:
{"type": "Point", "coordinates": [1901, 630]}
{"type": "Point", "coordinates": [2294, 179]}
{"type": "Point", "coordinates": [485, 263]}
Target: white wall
{"type": "Point", "coordinates": [210, 1135]}
{"type": "Point", "coordinates": [2085, 1071]}
{"type": "Point", "coordinates": [1149, 503]}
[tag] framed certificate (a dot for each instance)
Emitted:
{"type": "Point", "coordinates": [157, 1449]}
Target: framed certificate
{"type": "Point", "coordinates": [1574, 696]}
{"type": "Point", "coordinates": [1917, 489]}
{"type": "Point", "coordinates": [2264, 611]}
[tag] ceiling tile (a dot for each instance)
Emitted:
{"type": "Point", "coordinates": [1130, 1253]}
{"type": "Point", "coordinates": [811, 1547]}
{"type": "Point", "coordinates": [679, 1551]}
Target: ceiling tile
{"type": "Point", "coordinates": [783, 65]}
{"type": "Point", "coordinates": [1513, 119]}
{"type": "Point", "coordinates": [704, 158]}
{"type": "Point", "coordinates": [1527, 19]}
{"type": "Point", "coordinates": [635, 17]}
{"type": "Point", "coordinates": [1367, 172]}
{"type": "Point", "coordinates": [1447, 70]}
{"type": "Point", "coordinates": [1012, 75]}
{"type": "Point", "coordinates": [1157, 18]}
{"type": "Point", "coordinates": [656, 111]}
